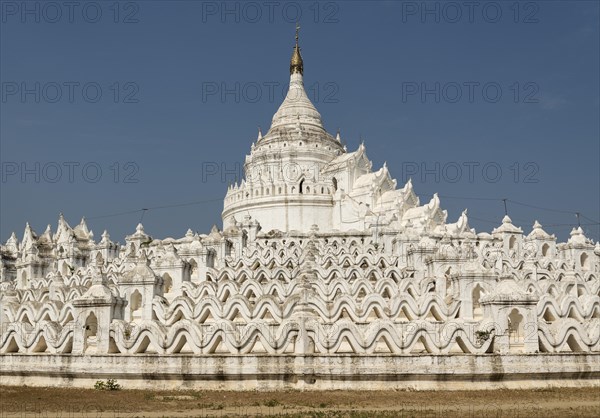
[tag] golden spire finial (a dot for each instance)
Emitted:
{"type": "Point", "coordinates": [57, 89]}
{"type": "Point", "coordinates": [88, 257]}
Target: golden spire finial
{"type": "Point", "coordinates": [296, 64]}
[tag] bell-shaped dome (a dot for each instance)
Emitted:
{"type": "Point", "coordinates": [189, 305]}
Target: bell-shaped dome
{"type": "Point", "coordinates": [296, 107]}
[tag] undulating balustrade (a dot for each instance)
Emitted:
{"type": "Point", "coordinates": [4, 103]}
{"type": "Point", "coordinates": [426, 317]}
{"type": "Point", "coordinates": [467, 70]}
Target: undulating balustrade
{"type": "Point", "coordinates": [361, 300]}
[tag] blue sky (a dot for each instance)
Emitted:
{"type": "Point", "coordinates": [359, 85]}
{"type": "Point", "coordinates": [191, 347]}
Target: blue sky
{"type": "Point", "coordinates": [501, 101]}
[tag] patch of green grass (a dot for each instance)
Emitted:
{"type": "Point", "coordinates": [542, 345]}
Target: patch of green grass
{"type": "Point", "coordinates": [196, 394]}
{"type": "Point", "coordinates": [272, 403]}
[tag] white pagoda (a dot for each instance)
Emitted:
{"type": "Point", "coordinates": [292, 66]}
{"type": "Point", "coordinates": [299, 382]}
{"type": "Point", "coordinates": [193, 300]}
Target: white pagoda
{"type": "Point", "coordinates": [324, 275]}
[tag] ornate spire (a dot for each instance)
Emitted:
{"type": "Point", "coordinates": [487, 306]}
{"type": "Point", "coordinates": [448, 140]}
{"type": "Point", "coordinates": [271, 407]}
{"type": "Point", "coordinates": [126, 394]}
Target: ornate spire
{"type": "Point", "coordinates": [296, 64]}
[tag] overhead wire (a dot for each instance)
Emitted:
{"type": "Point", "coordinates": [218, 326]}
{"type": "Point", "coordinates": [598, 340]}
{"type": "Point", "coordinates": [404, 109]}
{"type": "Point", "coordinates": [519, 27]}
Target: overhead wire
{"type": "Point", "coordinates": [144, 210]}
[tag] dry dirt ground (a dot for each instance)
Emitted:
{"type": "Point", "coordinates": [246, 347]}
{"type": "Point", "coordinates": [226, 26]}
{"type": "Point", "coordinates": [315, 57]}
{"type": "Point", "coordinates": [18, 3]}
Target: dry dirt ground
{"type": "Point", "coordinates": [66, 402]}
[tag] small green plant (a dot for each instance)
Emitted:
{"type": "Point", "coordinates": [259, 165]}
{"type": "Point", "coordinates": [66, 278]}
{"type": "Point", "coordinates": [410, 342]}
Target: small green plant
{"type": "Point", "coordinates": [272, 403]}
{"type": "Point", "coordinates": [482, 336]}
{"type": "Point", "coordinates": [127, 331]}
{"type": "Point", "coordinates": [110, 384]}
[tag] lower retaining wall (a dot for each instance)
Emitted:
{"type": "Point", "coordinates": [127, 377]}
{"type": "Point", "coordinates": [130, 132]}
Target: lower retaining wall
{"type": "Point", "coordinates": [308, 372]}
